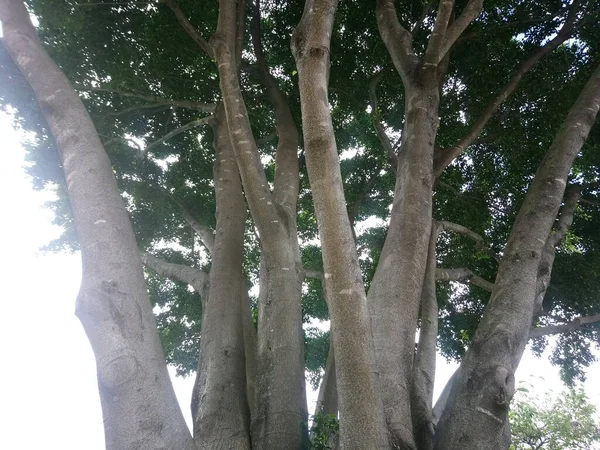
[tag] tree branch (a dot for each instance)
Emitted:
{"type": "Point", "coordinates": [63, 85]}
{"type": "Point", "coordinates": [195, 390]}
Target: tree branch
{"type": "Point", "coordinates": [424, 363]}
{"type": "Point", "coordinates": [444, 157]}
{"type": "Point", "coordinates": [206, 234]}
{"type": "Point", "coordinates": [375, 117]}
{"type": "Point", "coordinates": [396, 38]}
{"type": "Point", "coordinates": [176, 131]}
{"type": "Point", "coordinates": [199, 106]}
{"type": "Point", "coordinates": [463, 274]}
{"type": "Point", "coordinates": [470, 12]}
{"type": "Point", "coordinates": [479, 242]}
{"type": "Point", "coordinates": [196, 278]}
{"type": "Point", "coordinates": [287, 175]}
{"type": "Point", "coordinates": [562, 224]}
{"type": "Point", "coordinates": [577, 324]}
{"type": "Point", "coordinates": [436, 41]}
{"type": "Point", "coordinates": [258, 194]}
{"type": "Point", "coordinates": [189, 28]}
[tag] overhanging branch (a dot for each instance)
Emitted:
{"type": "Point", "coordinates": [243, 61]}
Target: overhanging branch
{"type": "Point", "coordinates": [157, 101]}
{"type": "Point", "coordinates": [189, 28]}
{"type": "Point", "coordinates": [463, 274]}
{"type": "Point", "coordinates": [479, 241]}
{"type": "Point", "coordinates": [577, 324]}
{"type": "Point", "coordinates": [176, 131]}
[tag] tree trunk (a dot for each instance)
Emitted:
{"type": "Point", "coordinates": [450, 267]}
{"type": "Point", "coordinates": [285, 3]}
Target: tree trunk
{"type": "Point", "coordinates": [424, 365]}
{"type": "Point", "coordinates": [361, 421]}
{"type": "Point", "coordinates": [219, 403]}
{"type": "Point", "coordinates": [477, 413]}
{"type": "Point", "coordinates": [395, 293]}
{"type": "Point", "coordinates": [138, 402]}
{"type": "Point", "coordinates": [280, 419]}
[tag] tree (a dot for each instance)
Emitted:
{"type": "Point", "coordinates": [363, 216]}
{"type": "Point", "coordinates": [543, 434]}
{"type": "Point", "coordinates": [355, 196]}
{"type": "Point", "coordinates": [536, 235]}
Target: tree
{"type": "Point", "coordinates": [567, 422]}
{"type": "Point", "coordinates": [470, 126]}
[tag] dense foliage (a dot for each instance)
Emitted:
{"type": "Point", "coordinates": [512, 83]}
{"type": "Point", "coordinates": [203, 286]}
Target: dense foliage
{"type": "Point", "coordinates": [566, 422]}
{"type": "Point", "coordinates": [144, 82]}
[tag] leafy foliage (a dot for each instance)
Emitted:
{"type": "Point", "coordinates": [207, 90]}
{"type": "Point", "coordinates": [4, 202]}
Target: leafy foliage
{"type": "Point", "coordinates": [134, 65]}
{"type": "Point", "coordinates": [567, 422]}
{"type": "Point", "coordinates": [324, 432]}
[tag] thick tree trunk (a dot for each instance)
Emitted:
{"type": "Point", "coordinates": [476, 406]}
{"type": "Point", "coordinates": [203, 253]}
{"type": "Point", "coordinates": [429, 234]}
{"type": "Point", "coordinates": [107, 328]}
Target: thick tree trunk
{"type": "Point", "coordinates": [477, 413]}
{"type": "Point", "coordinates": [219, 404]}
{"type": "Point", "coordinates": [361, 420]}
{"type": "Point", "coordinates": [395, 293]}
{"type": "Point", "coordinates": [138, 403]}
{"type": "Point", "coordinates": [280, 419]}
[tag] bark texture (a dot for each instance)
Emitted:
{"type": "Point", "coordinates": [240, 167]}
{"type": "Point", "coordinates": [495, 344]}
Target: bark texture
{"type": "Point", "coordinates": [424, 364]}
{"type": "Point", "coordinates": [477, 413]}
{"type": "Point", "coordinates": [280, 419]}
{"type": "Point", "coordinates": [138, 403]}
{"type": "Point", "coordinates": [361, 421]}
{"type": "Point", "coordinates": [219, 403]}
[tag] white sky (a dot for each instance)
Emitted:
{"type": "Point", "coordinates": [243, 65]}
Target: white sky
{"type": "Point", "coordinates": [48, 392]}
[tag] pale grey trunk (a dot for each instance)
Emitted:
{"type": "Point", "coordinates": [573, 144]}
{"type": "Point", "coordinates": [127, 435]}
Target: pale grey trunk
{"type": "Point", "coordinates": [361, 421]}
{"type": "Point", "coordinates": [424, 364]}
{"type": "Point", "coordinates": [477, 413]}
{"type": "Point", "coordinates": [138, 403]}
{"type": "Point", "coordinates": [219, 403]}
{"type": "Point", "coordinates": [280, 419]}
{"type": "Point", "coordinates": [395, 293]}
{"type": "Point", "coordinates": [564, 221]}
{"type": "Point", "coordinates": [327, 399]}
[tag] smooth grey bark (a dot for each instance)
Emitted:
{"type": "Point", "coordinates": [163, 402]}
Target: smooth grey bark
{"type": "Point", "coordinates": [327, 399]}
{"type": "Point", "coordinates": [395, 293]}
{"type": "Point", "coordinates": [424, 364]}
{"type": "Point", "coordinates": [219, 402]}
{"type": "Point", "coordinates": [139, 406]}
{"type": "Point", "coordinates": [361, 419]}
{"type": "Point", "coordinates": [560, 228]}
{"type": "Point", "coordinates": [477, 413]}
{"type": "Point", "coordinates": [280, 419]}
{"type": "Point", "coordinates": [196, 278]}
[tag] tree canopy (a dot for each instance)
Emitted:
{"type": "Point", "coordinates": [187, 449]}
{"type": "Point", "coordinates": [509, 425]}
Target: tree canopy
{"type": "Point", "coordinates": [152, 87]}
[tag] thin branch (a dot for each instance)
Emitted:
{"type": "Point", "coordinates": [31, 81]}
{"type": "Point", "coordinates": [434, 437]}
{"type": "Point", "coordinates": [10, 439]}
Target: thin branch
{"type": "Point", "coordinates": [375, 117]}
{"type": "Point", "coordinates": [463, 274]}
{"type": "Point", "coordinates": [444, 157]}
{"type": "Point", "coordinates": [454, 31]}
{"type": "Point", "coordinates": [189, 28]}
{"type": "Point", "coordinates": [199, 106]}
{"type": "Point", "coordinates": [479, 241]}
{"type": "Point", "coordinates": [206, 234]}
{"type": "Point", "coordinates": [577, 324]}
{"type": "Point", "coordinates": [589, 201]}
{"type": "Point", "coordinates": [176, 131]}
{"type": "Point", "coordinates": [156, 106]}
